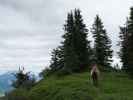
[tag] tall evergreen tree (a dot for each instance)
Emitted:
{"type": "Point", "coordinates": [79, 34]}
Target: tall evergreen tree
{"type": "Point", "coordinates": [76, 44]}
{"type": "Point", "coordinates": [130, 43]}
{"type": "Point", "coordinates": [74, 53]}
{"type": "Point", "coordinates": [70, 55]}
{"type": "Point", "coordinates": [102, 44]}
{"type": "Point", "coordinates": [82, 45]}
{"type": "Point", "coordinates": [127, 45]}
{"type": "Point", "coordinates": [123, 46]}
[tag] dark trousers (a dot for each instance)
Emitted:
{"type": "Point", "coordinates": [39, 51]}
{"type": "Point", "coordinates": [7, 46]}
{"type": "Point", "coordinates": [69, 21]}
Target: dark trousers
{"type": "Point", "coordinates": [95, 79]}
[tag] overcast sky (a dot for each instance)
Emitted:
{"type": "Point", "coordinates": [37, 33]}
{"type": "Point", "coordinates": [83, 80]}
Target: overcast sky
{"type": "Point", "coordinates": [30, 29]}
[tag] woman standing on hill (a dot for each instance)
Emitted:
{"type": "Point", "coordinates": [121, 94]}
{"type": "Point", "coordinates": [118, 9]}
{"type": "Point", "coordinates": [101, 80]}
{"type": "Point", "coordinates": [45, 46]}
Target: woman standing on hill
{"type": "Point", "coordinates": [95, 74]}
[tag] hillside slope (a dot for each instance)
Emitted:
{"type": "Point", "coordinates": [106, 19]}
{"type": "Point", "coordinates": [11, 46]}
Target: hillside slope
{"type": "Point", "coordinates": [113, 86]}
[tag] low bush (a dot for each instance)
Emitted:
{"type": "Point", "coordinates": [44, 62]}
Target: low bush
{"type": "Point", "coordinates": [17, 94]}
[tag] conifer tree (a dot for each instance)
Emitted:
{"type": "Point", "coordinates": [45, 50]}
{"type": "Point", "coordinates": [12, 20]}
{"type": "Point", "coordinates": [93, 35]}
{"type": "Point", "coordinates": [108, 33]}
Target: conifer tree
{"type": "Point", "coordinates": [127, 45]}
{"type": "Point", "coordinates": [75, 52]}
{"type": "Point", "coordinates": [102, 44]}
{"type": "Point", "coordinates": [23, 80]}
{"type": "Point", "coordinates": [123, 43]}
{"type": "Point", "coordinates": [57, 59]}
{"type": "Point", "coordinates": [130, 44]}
{"type": "Point", "coordinates": [69, 38]}
{"type": "Point", "coordinates": [82, 44]}
{"type": "Point", "coordinates": [76, 44]}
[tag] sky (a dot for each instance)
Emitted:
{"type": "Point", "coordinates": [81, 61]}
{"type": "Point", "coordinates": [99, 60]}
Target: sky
{"type": "Point", "coordinates": [30, 29]}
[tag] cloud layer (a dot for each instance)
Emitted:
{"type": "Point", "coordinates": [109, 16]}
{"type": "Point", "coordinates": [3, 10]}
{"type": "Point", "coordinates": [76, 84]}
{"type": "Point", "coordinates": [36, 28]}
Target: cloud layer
{"type": "Point", "coordinates": [30, 29]}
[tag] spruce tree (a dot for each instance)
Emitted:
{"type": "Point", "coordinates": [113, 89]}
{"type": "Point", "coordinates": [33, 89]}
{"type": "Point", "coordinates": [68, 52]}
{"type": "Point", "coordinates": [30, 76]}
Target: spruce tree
{"type": "Point", "coordinates": [75, 49]}
{"type": "Point", "coordinates": [70, 56]}
{"type": "Point", "coordinates": [102, 44]}
{"type": "Point", "coordinates": [76, 44]}
{"type": "Point", "coordinates": [57, 59]}
{"type": "Point", "coordinates": [123, 43]}
{"type": "Point", "coordinates": [82, 45]}
{"type": "Point", "coordinates": [128, 63]}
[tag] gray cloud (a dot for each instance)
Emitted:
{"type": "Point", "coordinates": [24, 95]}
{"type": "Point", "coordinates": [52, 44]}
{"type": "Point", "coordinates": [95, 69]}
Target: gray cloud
{"type": "Point", "coordinates": [30, 29]}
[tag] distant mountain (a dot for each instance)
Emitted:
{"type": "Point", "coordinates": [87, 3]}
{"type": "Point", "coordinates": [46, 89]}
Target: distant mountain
{"type": "Point", "coordinates": [6, 81]}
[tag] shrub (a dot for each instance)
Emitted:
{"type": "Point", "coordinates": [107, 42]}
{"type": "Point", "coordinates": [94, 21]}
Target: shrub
{"type": "Point", "coordinates": [46, 72]}
{"type": "Point", "coordinates": [17, 94]}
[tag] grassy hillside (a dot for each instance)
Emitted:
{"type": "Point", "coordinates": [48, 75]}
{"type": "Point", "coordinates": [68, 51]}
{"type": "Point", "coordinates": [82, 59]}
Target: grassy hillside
{"type": "Point", "coordinates": [113, 86]}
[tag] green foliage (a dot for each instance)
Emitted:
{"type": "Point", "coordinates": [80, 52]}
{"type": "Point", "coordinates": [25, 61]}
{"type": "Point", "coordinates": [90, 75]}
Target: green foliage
{"type": "Point", "coordinates": [17, 94]}
{"type": "Point", "coordinates": [130, 44]}
{"type": "Point", "coordinates": [23, 83]}
{"type": "Point", "coordinates": [57, 59]}
{"type": "Point", "coordinates": [123, 47]}
{"type": "Point", "coordinates": [102, 44]}
{"type": "Point", "coordinates": [76, 45]}
{"type": "Point", "coordinates": [23, 80]}
{"type": "Point", "coordinates": [113, 86]}
{"type": "Point", "coordinates": [74, 52]}
{"type": "Point", "coordinates": [126, 52]}
{"type": "Point", "coordinates": [3, 98]}
{"type": "Point", "coordinates": [63, 72]}
{"type": "Point", "coordinates": [46, 72]}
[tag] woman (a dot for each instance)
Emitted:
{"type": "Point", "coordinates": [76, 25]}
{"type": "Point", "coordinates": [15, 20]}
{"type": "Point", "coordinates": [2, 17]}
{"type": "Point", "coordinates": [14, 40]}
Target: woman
{"type": "Point", "coordinates": [95, 74]}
